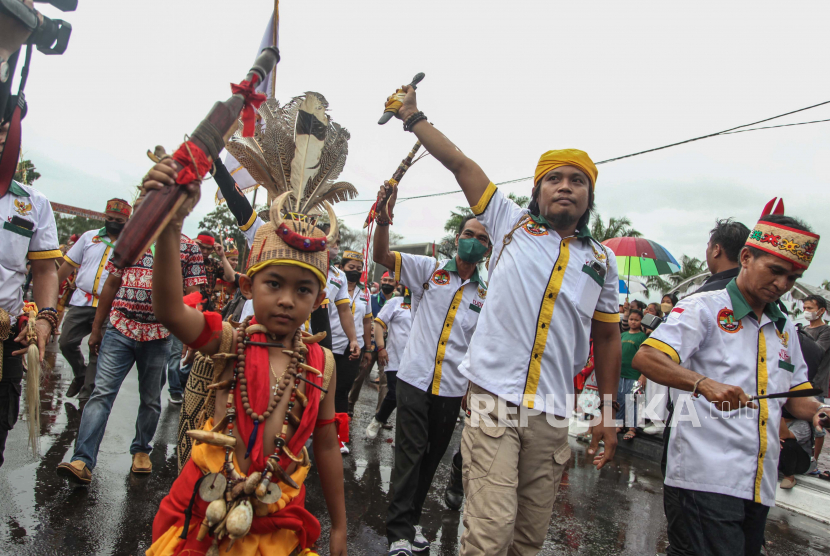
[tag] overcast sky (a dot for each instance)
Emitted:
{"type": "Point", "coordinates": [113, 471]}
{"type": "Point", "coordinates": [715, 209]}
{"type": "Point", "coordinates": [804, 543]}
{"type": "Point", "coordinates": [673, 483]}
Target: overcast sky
{"type": "Point", "coordinates": [505, 81]}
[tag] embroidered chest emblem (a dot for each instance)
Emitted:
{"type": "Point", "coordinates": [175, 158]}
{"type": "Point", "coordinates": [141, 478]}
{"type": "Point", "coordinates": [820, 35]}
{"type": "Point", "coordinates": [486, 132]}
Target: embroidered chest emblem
{"type": "Point", "coordinates": [599, 256]}
{"type": "Point", "coordinates": [535, 229]}
{"type": "Point", "coordinates": [96, 239]}
{"type": "Point", "coordinates": [482, 293]}
{"type": "Point", "coordinates": [407, 306]}
{"type": "Point", "coordinates": [440, 277]}
{"type": "Point", "coordinates": [22, 207]}
{"type": "Point", "coordinates": [784, 337]}
{"type": "Point", "coordinates": [727, 322]}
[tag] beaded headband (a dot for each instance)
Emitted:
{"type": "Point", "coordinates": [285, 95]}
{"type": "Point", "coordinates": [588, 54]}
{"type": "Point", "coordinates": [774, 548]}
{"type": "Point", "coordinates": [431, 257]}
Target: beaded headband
{"type": "Point", "coordinates": [119, 206]}
{"type": "Point", "coordinates": [795, 246]}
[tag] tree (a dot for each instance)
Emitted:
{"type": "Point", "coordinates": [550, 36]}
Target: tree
{"type": "Point", "coordinates": [689, 268]}
{"type": "Point", "coordinates": [447, 244]}
{"type": "Point", "coordinates": [617, 227]}
{"type": "Point", "coordinates": [223, 224]}
{"type": "Point", "coordinates": [26, 173]}
{"type": "Point", "coordinates": [826, 285]}
{"type": "Point", "coordinates": [68, 225]}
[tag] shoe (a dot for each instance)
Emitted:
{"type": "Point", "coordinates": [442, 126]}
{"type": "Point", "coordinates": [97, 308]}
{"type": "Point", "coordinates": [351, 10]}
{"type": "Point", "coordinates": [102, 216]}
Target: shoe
{"type": "Point", "coordinates": [344, 449]}
{"type": "Point", "coordinates": [654, 428]}
{"type": "Point", "coordinates": [75, 386]}
{"type": "Point", "coordinates": [75, 471]}
{"type": "Point", "coordinates": [176, 399]}
{"type": "Point", "coordinates": [454, 494]}
{"type": "Point", "coordinates": [141, 463]}
{"type": "Point", "coordinates": [373, 429]}
{"type": "Point", "coordinates": [787, 483]}
{"type": "Point", "coordinates": [387, 427]}
{"type": "Point", "coordinates": [400, 548]}
{"type": "Point", "coordinates": [420, 543]}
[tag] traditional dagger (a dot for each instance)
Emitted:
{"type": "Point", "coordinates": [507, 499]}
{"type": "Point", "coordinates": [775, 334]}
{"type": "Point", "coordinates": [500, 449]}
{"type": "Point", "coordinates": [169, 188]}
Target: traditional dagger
{"type": "Point", "coordinates": [387, 115]}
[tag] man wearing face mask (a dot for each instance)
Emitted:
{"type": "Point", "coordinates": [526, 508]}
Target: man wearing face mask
{"type": "Point", "coordinates": [88, 257]}
{"type": "Point", "coordinates": [447, 297]}
{"type": "Point", "coordinates": [378, 300]}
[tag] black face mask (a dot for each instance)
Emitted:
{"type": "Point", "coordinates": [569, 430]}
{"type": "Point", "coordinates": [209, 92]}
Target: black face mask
{"type": "Point", "coordinates": [114, 228]}
{"type": "Point", "coordinates": [353, 275]}
{"type": "Point", "coordinates": [387, 288]}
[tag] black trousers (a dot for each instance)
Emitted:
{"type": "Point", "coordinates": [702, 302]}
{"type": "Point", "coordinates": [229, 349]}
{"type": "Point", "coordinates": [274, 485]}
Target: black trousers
{"type": "Point", "coordinates": [347, 370]}
{"type": "Point", "coordinates": [708, 524]}
{"type": "Point", "coordinates": [9, 390]}
{"type": "Point", "coordinates": [77, 324]}
{"type": "Point", "coordinates": [423, 430]}
{"type": "Point", "coordinates": [390, 402]}
{"type": "Point", "coordinates": [793, 458]}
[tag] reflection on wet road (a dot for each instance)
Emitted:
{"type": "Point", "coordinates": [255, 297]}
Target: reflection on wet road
{"type": "Point", "coordinates": [616, 511]}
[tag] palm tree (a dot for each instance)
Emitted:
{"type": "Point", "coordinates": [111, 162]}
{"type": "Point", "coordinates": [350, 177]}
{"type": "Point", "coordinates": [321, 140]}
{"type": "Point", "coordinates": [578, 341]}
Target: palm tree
{"type": "Point", "coordinates": [617, 227]}
{"type": "Point", "coordinates": [447, 244]}
{"type": "Point", "coordinates": [689, 268]}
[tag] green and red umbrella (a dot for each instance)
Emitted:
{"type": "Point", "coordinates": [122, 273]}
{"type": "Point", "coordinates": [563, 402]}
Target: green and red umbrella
{"type": "Point", "coordinates": [637, 256]}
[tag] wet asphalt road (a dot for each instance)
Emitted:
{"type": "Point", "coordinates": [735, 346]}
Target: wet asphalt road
{"type": "Point", "coordinates": [615, 511]}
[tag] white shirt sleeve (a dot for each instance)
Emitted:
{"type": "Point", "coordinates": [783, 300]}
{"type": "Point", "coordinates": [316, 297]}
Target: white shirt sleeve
{"type": "Point", "coordinates": [250, 231]}
{"type": "Point", "coordinates": [497, 213]}
{"type": "Point", "coordinates": [44, 242]}
{"type": "Point", "coordinates": [342, 295]}
{"type": "Point", "coordinates": [685, 330]}
{"type": "Point", "coordinates": [75, 256]}
{"type": "Point", "coordinates": [799, 378]}
{"type": "Point", "coordinates": [414, 271]}
{"type": "Point", "coordinates": [387, 313]}
{"type": "Point", "coordinates": [608, 305]}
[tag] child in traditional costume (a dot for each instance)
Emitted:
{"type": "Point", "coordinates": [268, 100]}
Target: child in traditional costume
{"type": "Point", "coordinates": [242, 492]}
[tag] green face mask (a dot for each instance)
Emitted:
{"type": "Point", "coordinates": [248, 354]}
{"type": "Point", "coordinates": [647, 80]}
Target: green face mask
{"type": "Point", "coordinates": [471, 250]}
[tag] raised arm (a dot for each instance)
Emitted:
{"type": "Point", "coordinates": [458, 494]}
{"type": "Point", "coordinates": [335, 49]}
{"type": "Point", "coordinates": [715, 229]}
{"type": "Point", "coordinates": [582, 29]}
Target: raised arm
{"type": "Point", "coordinates": [380, 248]}
{"type": "Point", "coordinates": [238, 203]}
{"type": "Point", "coordinates": [468, 174]}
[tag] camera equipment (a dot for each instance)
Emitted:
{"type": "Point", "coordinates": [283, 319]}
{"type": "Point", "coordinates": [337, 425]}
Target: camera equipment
{"type": "Point", "coordinates": [651, 321]}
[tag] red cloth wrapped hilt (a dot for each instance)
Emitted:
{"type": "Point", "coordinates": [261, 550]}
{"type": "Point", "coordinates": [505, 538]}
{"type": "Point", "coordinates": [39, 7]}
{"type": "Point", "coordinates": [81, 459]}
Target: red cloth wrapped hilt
{"type": "Point", "coordinates": [253, 100]}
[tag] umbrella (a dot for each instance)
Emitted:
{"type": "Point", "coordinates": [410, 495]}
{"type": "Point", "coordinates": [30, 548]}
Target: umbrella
{"type": "Point", "coordinates": [632, 287]}
{"type": "Point", "coordinates": [637, 256]}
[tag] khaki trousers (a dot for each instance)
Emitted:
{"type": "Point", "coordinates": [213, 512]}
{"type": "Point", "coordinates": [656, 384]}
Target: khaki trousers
{"type": "Point", "coordinates": [511, 474]}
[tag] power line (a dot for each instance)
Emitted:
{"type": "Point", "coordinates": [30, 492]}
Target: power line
{"type": "Point", "coordinates": [729, 131]}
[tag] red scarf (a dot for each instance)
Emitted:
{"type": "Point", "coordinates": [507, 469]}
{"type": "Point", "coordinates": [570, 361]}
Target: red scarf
{"type": "Point", "coordinates": [257, 372]}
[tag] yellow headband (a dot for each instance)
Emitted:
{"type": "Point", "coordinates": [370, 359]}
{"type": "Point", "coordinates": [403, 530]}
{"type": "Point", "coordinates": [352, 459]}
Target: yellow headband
{"type": "Point", "coordinates": [566, 157]}
{"type": "Point", "coordinates": [353, 256]}
{"type": "Point", "coordinates": [288, 262]}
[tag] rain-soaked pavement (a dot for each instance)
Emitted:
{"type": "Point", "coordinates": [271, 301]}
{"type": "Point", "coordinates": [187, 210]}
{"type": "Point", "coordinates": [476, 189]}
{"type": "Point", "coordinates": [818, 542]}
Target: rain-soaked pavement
{"type": "Point", "coordinates": [615, 511]}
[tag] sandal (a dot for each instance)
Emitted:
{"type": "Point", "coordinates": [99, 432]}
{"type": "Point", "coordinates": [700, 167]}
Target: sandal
{"type": "Point", "coordinates": [630, 434]}
{"type": "Point", "coordinates": [824, 476]}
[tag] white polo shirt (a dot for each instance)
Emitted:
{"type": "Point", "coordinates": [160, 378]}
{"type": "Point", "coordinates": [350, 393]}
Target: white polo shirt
{"type": "Point", "coordinates": [717, 335]}
{"type": "Point", "coordinates": [545, 291]}
{"type": "Point", "coordinates": [90, 255]}
{"type": "Point", "coordinates": [33, 235]}
{"type": "Point", "coordinates": [360, 310]}
{"type": "Point", "coordinates": [396, 318]}
{"type": "Point", "coordinates": [445, 312]}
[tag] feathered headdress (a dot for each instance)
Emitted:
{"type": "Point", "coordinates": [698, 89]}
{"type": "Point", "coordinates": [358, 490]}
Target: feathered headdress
{"type": "Point", "coordinates": [296, 149]}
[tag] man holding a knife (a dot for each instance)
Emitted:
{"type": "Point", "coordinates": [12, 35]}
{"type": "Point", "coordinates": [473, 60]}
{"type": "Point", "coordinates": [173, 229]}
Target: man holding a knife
{"type": "Point", "coordinates": [722, 353]}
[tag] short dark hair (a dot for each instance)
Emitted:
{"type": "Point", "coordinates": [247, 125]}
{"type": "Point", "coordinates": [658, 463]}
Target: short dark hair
{"type": "Point", "coordinates": [787, 221]}
{"type": "Point", "coordinates": [635, 312]}
{"type": "Point", "coordinates": [820, 302]}
{"type": "Point", "coordinates": [463, 224]}
{"type": "Point", "coordinates": [639, 303]}
{"type": "Point", "coordinates": [583, 221]}
{"type": "Point", "coordinates": [731, 236]}
{"type": "Point", "coordinates": [206, 233]}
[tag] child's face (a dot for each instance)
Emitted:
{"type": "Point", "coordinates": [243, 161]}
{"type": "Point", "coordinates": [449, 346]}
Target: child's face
{"type": "Point", "coordinates": [284, 297]}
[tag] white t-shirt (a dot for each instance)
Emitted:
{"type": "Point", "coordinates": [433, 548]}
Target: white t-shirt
{"type": "Point", "coordinates": [360, 311]}
{"type": "Point", "coordinates": [33, 236]}
{"type": "Point", "coordinates": [544, 293]}
{"type": "Point", "coordinates": [717, 335]}
{"type": "Point", "coordinates": [445, 312]}
{"type": "Point", "coordinates": [396, 318]}
{"type": "Point", "coordinates": [90, 255]}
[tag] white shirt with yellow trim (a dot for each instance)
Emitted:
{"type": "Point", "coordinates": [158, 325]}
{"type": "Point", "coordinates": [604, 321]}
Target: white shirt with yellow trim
{"type": "Point", "coordinates": [396, 318]}
{"type": "Point", "coordinates": [544, 292]}
{"type": "Point", "coordinates": [29, 232]}
{"type": "Point", "coordinates": [90, 255]}
{"type": "Point", "coordinates": [445, 312]}
{"type": "Point", "coordinates": [733, 453]}
{"type": "Point", "coordinates": [360, 311]}
{"type": "Point", "coordinates": [250, 228]}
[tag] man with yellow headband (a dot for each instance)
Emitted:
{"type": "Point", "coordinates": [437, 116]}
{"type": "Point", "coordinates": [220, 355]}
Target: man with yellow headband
{"type": "Point", "coordinates": [715, 350]}
{"type": "Point", "coordinates": [521, 363]}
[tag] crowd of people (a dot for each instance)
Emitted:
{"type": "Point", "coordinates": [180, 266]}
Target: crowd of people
{"type": "Point", "coordinates": [268, 356]}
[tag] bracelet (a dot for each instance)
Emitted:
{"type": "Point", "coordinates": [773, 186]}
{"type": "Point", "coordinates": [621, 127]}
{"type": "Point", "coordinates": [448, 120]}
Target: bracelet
{"type": "Point", "coordinates": [51, 318]}
{"type": "Point", "coordinates": [380, 222]}
{"type": "Point", "coordinates": [695, 393]}
{"type": "Point", "coordinates": [413, 119]}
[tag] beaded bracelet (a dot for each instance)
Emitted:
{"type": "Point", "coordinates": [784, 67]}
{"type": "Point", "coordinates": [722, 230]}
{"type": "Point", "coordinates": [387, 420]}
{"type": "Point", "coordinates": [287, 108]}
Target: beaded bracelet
{"type": "Point", "coordinates": [412, 120]}
{"type": "Point", "coordinates": [380, 222]}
